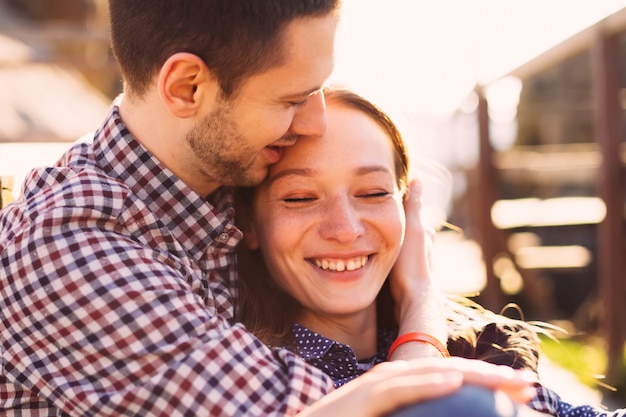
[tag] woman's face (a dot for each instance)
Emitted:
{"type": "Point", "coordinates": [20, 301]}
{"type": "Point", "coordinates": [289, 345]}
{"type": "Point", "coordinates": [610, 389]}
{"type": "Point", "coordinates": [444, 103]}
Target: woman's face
{"type": "Point", "coordinates": [329, 217]}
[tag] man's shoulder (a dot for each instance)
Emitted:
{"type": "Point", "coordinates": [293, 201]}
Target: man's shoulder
{"type": "Point", "coordinates": [69, 195]}
{"type": "Point", "coordinates": [74, 186]}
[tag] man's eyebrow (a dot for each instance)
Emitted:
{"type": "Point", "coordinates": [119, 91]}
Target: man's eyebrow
{"type": "Point", "coordinates": [306, 93]}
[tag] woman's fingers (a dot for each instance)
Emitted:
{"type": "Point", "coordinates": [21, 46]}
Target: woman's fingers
{"type": "Point", "coordinates": [413, 263]}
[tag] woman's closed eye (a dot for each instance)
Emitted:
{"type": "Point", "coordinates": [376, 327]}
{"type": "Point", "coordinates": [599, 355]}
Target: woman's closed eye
{"type": "Point", "coordinates": [370, 195]}
{"type": "Point", "coordinates": [374, 195]}
{"type": "Point", "coordinates": [377, 194]}
{"type": "Point", "coordinates": [299, 199]}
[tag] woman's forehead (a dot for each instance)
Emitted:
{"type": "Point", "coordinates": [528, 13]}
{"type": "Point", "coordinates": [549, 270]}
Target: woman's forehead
{"type": "Point", "coordinates": [350, 135]}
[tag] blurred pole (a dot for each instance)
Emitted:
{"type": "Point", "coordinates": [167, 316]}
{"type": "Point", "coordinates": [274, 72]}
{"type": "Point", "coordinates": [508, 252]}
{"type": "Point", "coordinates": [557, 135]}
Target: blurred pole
{"type": "Point", "coordinates": [485, 198]}
{"type": "Point", "coordinates": [611, 248]}
{"type": "Point", "coordinates": [6, 189]}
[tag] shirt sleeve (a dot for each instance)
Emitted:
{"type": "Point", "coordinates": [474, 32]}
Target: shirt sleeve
{"type": "Point", "coordinates": [99, 322]}
{"type": "Point", "coordinates": [549, 402]}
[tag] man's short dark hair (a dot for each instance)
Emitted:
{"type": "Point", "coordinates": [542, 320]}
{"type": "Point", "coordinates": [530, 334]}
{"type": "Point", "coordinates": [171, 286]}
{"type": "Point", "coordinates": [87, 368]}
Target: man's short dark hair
{"type": "Point", "coordinates": [235, 38]}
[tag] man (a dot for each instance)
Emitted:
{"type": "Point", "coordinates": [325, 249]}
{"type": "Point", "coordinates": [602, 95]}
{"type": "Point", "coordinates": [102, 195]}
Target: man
{"type": "Point", "coordinates": [117, 265]}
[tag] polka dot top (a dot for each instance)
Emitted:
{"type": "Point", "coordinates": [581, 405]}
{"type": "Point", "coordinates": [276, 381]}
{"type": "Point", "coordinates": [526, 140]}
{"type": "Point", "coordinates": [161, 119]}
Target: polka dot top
{"type": "Point", "coordinates": [336, 359]}
{"type": "Point", "coordinates": [340, 362]}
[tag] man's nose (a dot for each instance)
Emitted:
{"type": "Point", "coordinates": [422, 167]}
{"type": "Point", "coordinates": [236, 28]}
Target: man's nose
{"type": "Point", "coordinates": [310, 119]}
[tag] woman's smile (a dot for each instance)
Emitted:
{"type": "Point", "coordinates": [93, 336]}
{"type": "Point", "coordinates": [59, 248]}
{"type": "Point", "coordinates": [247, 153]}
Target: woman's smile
{"type": "Point", "coordinates": [341, 265]}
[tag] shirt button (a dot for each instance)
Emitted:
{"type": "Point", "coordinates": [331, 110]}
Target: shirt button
{"type": "Point", "coordinates": [223, 237]}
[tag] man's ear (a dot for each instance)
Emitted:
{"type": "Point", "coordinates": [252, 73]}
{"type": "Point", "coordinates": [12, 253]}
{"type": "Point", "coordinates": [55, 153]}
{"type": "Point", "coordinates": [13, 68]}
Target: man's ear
{"type": "Point", "coordinates": [184, 81]}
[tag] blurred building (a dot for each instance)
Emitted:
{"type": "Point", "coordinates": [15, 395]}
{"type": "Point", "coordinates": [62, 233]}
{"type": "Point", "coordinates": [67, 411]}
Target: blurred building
{"type": "Point", "coordinates": [57, 78]}
{"type": "Point", "coordinates": [56, 72]}
{"type": "Point", "coordinates": [547, 198]}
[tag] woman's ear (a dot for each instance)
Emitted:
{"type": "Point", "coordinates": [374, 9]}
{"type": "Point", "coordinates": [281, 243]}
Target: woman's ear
{"type": "Point", "coordinates": [184, 81]}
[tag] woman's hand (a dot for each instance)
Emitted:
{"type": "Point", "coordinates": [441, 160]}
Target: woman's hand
{"type": "Point", "coordinates": [418, 301]}
{"type": "Point", "coordinates": [413, 267]}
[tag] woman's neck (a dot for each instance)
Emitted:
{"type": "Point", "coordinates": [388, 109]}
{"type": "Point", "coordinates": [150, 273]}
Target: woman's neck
{"type": "Point", "coordinates": [359, 331]}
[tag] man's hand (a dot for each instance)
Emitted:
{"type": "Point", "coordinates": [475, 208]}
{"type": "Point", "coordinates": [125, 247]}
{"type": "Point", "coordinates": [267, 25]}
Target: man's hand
{"type": "Point", "coordinates": [392, 385]}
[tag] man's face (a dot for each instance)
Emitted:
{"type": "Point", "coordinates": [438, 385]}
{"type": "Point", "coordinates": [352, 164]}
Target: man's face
{"type": "Point", "coordinates": [238, 140]}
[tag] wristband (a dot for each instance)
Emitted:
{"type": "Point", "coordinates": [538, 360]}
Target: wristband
{"type": "Point", "coordinates": [418, 337]}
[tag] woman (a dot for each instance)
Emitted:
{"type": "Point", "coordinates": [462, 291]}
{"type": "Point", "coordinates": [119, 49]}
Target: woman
{"type": "Point", "coordinates": [294, 206]}
{"type": "Point", "coordinates": [323, 232]}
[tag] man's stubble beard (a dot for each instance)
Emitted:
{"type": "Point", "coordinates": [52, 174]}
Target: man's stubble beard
{"type": "Point", "coordinates": [221, 152]}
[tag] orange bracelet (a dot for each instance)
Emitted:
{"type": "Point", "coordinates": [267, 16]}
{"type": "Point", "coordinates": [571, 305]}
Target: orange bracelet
{"type": "Point", "coordinates": [418, 337]}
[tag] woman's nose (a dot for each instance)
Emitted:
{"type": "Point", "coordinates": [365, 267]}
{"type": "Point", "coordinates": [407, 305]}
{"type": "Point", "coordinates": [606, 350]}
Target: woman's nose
{"type": "Point", "coordinates": [342, 221]}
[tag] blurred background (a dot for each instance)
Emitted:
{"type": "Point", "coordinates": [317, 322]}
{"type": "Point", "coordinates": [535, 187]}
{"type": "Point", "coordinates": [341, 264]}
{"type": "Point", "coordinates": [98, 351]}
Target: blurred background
{"type": "Point", "coordinates": [524, 103]}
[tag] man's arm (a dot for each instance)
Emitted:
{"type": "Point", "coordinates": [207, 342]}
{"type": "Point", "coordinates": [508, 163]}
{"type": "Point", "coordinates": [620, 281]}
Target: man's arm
{"type": "Point", "coordinates": [99, 322]}
{"type": "Point", "coordinates": [392, 385]}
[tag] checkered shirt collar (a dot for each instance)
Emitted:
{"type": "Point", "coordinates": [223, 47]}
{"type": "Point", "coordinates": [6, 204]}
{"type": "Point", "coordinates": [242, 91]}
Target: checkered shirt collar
{"type": "Point", "coordinates": [196, 223]}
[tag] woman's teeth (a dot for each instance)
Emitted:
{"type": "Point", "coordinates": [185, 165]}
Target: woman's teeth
{"type": "Point", "coordinates": [341, 265]}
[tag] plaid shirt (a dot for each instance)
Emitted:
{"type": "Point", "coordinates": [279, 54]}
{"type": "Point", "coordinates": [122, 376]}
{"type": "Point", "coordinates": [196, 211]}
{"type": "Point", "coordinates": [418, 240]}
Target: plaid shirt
{"type": "Point", "coordinates": [117, 292]}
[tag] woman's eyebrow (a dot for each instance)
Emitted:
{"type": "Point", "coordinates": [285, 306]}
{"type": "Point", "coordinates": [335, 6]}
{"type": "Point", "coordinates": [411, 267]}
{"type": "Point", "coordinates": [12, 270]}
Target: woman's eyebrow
{"type": "Point", "coordinates": [310, 172]}
{"type": "Point", "coordinates": [300, 172]}
{"type": "Point", "coordinates": [374, 168]}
